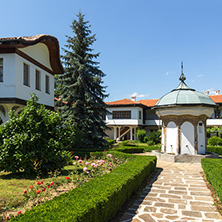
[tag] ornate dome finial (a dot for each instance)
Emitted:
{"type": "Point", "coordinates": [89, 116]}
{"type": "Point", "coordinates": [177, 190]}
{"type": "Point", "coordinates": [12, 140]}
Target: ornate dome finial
{"type": "Point", "coordinates": [182, 76]}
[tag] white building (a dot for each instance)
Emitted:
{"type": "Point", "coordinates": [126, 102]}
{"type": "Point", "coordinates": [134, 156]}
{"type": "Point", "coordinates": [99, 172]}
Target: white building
{"type": "Point", "coordinates": [27, 65]}
{"type": "Point", "coordinates": [126, 116]}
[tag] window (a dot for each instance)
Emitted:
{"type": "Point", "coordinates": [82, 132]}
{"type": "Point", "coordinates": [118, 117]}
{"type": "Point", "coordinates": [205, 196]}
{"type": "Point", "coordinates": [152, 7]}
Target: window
{"type": "Point", "coordinates": [1, 69]}
{"type": "Point", "coordinates": [121, 114]}
{"type": "Point", "coordinates": [37, 79]}
{"type": "Point", "coordinates": [47, 84]}
{"type": "Point", "coordinates": [26, 75]}
{"type": "Point", "coordinates": [140, 115]}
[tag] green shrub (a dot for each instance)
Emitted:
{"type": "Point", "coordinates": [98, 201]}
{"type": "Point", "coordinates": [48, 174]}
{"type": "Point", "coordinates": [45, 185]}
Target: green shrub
{"type": "Point", "coordinates": [213, 171]}
{"type": "Point", "coordinates": [151, 148]}
{"type": "Point", "coordinates": [215, 141]}
{"type": "Point", "coordinates": [97, 200]}
{"type": "Point", "coordinates": [110, 142]}
{"type": "Point", "coordinates": [141, 133]}
{"type": "Point", "coordinates": [153, 138]}
{"type": "Point", "coordinates": [215, 149]}
{"type": "Point", "coordinates": [31, 141]}
{"type": "Point", "coordinates": [128, 143]}
{"type": "Point", "coordinates": [130, 149]}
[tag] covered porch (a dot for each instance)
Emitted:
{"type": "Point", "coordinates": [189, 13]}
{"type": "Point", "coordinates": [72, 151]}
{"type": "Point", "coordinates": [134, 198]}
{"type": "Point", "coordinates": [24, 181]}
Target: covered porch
{"type": "Point", "coordinates": [122, 132]}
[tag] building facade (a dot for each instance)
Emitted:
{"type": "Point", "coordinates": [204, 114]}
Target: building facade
{"type": "Point", "coordinates": [27, 65]}
{"type": "Point", "coordinates": [126, 116]}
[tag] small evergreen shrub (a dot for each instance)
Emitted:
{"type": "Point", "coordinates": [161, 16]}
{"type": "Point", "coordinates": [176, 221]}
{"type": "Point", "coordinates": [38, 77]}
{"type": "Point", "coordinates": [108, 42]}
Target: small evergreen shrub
{"type": "Point", "coordinates": [213, 171]}
{"type": "Point", "coordinates": [141, 133]}
{"type": "Point", "coordinates": [215, 141]}
{"type": "Point", "coordinates": [130, 149]}
{"type": "Point", "coordinates": [215, 149]}
{"type": "Point", "coordinates": [151, 148]}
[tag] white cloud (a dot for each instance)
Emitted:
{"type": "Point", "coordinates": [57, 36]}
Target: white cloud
{"type": "Point", "coordinates": [192, 80]}
{"type": "Point", "coordinates": [167, 73]}
{"type": "Point", "coordinates": [139, 95]}
{"type": "Point", "coordinates": [200, 75]}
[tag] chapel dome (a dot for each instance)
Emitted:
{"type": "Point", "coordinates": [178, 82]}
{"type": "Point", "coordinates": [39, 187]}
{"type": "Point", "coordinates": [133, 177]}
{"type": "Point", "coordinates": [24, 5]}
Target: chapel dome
{"type": "Point", "coordinates": [184, 96]}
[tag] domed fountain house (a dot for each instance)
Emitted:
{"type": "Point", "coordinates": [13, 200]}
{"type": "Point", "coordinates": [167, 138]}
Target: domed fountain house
{"type": "Point", "coordinates": [184, 112]}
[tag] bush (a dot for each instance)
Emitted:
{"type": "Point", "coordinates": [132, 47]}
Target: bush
{"type": "Point", "coordinates": [30, 141]}
{"type": "Point", "coordinates": [141, 133]}
{"type": "Point", "coordinates": [153, 138]}
{"type": "Point", "coordinates": [128, 143]}
{"type": "Point", "coordinates": [215, 141]}
{"type": "Point", "coordinates": [110, 142]}
{"type": "Point", "coordinates": [129, 149]}
{"type": "Point", "coordinates": [215, 149]}
{"type": "Point", "coordinates": [151, 148]}
{"type": "Point", "coordinates": [213, 171]}
{"type": "Point", "coordinates": [99, 199]}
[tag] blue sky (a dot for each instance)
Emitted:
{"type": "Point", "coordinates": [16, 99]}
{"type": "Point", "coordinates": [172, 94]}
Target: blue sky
{"type": "Point", "coordinates": [142, 43]}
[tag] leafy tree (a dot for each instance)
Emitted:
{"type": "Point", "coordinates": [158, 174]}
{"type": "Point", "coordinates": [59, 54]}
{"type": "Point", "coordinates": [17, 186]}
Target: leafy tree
{"type": "Point", "coordinates": [80, 87]}
{"type": "Point", "coordinates": [141, 133]}
{"type": "Point", "coordinates": [32, 141]}
{"type": "Point", "coordinates": [153, 138]}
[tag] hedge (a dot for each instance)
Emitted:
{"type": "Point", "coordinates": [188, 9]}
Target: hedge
{"type": "Point", "coordinates": [150, 148]}
{"type": "Point", "coordinates": [215, 149]}
{"type": "Point", "coordinates": [213, 171]}
{"type": "Point", "coordinates": [97, 200]}
{"type": "Point", "coordinates": [130, 149]}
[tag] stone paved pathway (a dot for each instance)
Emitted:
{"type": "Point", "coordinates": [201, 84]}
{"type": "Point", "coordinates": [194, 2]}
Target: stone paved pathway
{"type": "Point", "coordinates": [177, 193]}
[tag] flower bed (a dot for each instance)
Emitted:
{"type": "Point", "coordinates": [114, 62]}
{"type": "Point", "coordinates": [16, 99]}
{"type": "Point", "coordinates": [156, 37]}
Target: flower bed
{"type": "Point", "coordinates": [97, 200]}
{"type": "Point", "coordinates": [72, 176]}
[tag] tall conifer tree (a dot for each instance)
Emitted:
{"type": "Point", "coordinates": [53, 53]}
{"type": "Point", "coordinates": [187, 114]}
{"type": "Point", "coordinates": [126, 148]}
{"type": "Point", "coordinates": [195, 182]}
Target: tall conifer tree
{"type": "Point", "coordinates": [80, 87]}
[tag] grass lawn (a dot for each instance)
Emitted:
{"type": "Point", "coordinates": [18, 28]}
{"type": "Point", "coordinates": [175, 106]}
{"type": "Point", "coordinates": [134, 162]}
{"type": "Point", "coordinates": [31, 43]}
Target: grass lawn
{"type": "Point", "coordinates": [12, 187]}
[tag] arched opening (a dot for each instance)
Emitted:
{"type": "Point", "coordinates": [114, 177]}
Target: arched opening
{"type": "Point", "coordinates": [187, 138]}
{"type": "Point", "coordinates": [171, 137]}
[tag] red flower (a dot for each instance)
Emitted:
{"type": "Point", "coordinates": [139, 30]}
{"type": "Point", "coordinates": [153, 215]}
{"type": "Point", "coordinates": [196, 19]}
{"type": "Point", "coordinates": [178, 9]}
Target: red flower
{"type": "Point", "coordinates": [19, 212]}
{"type": "Point", "coordinates": [43, 189]}
{"type": "Point", "coordinates": [39, 183]}
{"type": "Point", "coordinates": [38, 191]}
{"type": "Point", "coordinates": [52, 183]}
{"type": "Point", "coordinates": [68, 178]}
{"type": "Point", "coordinates": [31, 187]}
{"type": "Point", "coordinates": [72, 152]}
{"type": "Point", "coordinates": [42, 182]}
{"type": "Point", "coordinates": [25, 191]}
{"type": "Point", "coordinates": [7, 218]}
{"type": "Point", "coordinates": [49, 186]}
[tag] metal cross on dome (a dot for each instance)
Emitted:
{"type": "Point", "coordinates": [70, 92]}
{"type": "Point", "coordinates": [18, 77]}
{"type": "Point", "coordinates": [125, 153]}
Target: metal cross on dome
{"type": "Point", "coordinates": [182, 76]}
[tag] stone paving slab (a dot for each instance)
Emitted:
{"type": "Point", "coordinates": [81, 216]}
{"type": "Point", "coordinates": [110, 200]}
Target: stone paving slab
{"type": "Point", "coordinates": [177, 193]}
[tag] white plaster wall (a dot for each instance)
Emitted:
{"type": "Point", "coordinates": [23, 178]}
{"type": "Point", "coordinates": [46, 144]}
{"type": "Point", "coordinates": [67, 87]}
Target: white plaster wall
{"type": "Point", "coordinates": [38, 52]}
{"type": "Point", "coordinates": [201, 138]}
{"type": "Point", "coordinates": [23, 92]}
{"type": "Point", "coordinates": [134, 116]}
{"type": "Point", "coordinates": [171, 138]}
{"type": "Point", "coordinates": [110, 133]}
{"type": "Point", "coordinates": [187, 138]}
{"type": "Point", "coordinates": [214, 122]}
{"type": "Point", "coordinates": [7, 87]}
{"type": "Point", "coordinates": [192, 110]}
{"type": "Point", "coordinates": [162, 141]}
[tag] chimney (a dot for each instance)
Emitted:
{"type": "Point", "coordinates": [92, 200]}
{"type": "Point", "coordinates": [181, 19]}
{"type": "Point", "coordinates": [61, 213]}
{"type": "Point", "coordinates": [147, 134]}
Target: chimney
{"type": "Point", "coordinates": [133, 98]}
{"type": "Point", "coordinates": [207, 92]}
{"type": "Point", "coordinates": [217, 92]}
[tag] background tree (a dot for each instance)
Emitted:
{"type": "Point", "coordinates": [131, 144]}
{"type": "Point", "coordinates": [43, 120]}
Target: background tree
{"type": "Point", "coordinates": [80, 87]}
